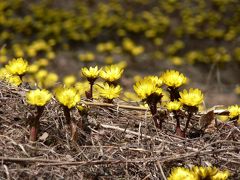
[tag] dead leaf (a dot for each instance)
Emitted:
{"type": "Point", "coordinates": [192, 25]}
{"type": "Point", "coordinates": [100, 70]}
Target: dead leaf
{"type": "Point", "coordinates": [206, 119]}
{"type": "Point", "coordinates": [44, 136]}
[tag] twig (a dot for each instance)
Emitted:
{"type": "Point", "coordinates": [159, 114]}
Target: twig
{"type": "Point", "coordinates": [140, 160]}
{"type": "Point", "coordinates": [47, 162]}
{"type": "Point", "coordinates": [132, 132]}
{"type": "Point", "coordinates": [115, 105]}
{"type": "Point", "coordinates": [7, 172]}
{"type": "Point", "coordinates": [217, 111]}
{"type": "Point", "coordinates": [11, 159]}
{"type": "Point", "coordinates": [228, 160]}
{"type": "Point", "coordinates": [161, 170]}
{"type": "Point", "coordinates": [161, 140]}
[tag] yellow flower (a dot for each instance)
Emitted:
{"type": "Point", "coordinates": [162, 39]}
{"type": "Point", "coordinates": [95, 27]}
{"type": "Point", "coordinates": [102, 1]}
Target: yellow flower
{"type": "Point", "coordinates": [234, 111]}
{"type": "Point", "coordinates": [41, 74]}
{"type": "Point", "coordinates": [105, 47]}
{"type": "Point", "coordinates": [69, 80]}
{"type": "Point", "coordinates": [137, 50]}
{"type": "Point", "coordinates": [17, 66]}
{"type": "Point", "coordinates": [210, 173]}
{"type": "Point", "coordinates": [146, 87]}
{"type": "Point", "coordinates": [193, 97]}
{"type": "Point", "coordinates": [204, 172]}
{"type": "Point", "coordinates": [111, 73]}
{"type": "Point", "coordinates": [156, 80]}
{"type": "Point", "coordinates": [174, 105]}
{"type": "Point", "coordinates": [33, 68]}
{"type": "Point", "coordinates": [50, 80]}
{"type": "Point", "coordinates": [128, 44]}
{"type": "Point", "coordinates": [110, 91]}
{"type": "Point", "coordinates": [237, 89]}
{"type": "Point", "coordinates": [177, 61]}
{"type": "Point", "coordinates": [165, 97]}
{"type": "Point", "coordinates": [180, 173]}
{"type": "Point", "coordinates": [38, 97]}
{"type": "Point", "coordinates": [67, 96]}
{"type": "Point", "coordinates": [43, 62]}
{"type": "Point", "coordinates": [130, 96]}
{"type": "Point", "coordinates": [4, 74]}
{"type": "Point", "coordinates": [82, 87]}
{"type": "Point", "coordinates": [221, 175]}
{"type": "Point", "coordinates": [173, 78]}
{"type": "Point", "coordinates": [50, 55]}
{"type": "Point", "coordinates": [13, 80]}
{"type": "Point", "coordinates": [87, 57]}
{"type": "Point", "coordinates": [91, 72]}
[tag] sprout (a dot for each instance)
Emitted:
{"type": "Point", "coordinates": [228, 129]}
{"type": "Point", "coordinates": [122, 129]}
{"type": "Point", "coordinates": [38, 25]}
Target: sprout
{"type": "Point", "coordinates": [68, 98]}
{"type": "Point", "coordinates": [148, 90]}
{"type": "Point", "coordinates": [83, 112]}
{"type": "Point", "coordinates": [174, 106]}
{"type": "Point", "coordinates": [38, 98]}
{"type": "Point", "coordinates": [191, 100]}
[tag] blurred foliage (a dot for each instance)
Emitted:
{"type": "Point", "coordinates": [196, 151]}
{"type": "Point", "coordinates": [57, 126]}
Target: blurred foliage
{"type": "Point", "coordinates": [204, 31]}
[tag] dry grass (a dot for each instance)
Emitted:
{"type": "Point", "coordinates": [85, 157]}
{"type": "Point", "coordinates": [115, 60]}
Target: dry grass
{"type": "Point", "coordinates": [120, 144]}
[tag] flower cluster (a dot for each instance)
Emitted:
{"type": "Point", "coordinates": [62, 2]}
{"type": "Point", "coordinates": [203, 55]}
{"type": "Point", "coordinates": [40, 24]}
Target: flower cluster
{"type": "Point", "coordinates": [14, 71]}
{"type": "Point", "coordinates": [149, 90]}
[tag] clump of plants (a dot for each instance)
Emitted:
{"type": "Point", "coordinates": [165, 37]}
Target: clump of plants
{"type": "Point", "coordinates": [68, 97]}
{"type": "Point", "coordinates": [38, 98]}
